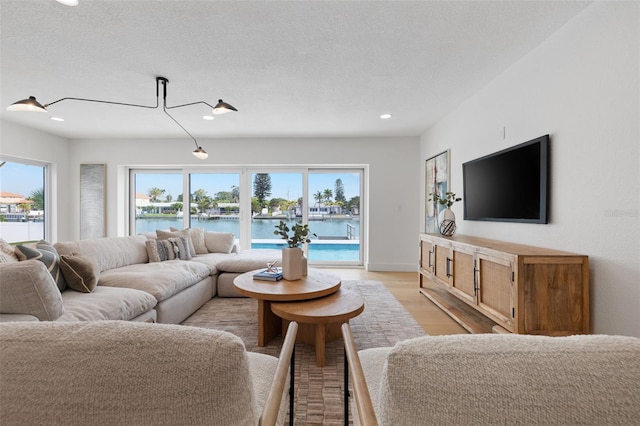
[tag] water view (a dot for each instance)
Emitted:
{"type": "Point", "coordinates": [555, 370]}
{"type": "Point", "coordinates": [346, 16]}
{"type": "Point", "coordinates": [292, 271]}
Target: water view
{"type": "Point", "coordinates": [337, 240]}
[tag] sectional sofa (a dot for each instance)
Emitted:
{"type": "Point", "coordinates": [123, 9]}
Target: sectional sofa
{"type": "Point", "coordinates": [162, 277]}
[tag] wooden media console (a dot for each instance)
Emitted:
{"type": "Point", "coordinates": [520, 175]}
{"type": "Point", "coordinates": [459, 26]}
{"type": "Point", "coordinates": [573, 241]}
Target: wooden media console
{"type": "Point", "coordinates": [492, 286]}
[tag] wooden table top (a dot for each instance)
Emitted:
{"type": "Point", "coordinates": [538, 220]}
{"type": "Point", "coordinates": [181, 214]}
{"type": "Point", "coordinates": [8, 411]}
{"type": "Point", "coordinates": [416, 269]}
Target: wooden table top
{"type": "Point", "coordinates": [335, 308]}
{"type": "Point", "coordinates": [315, 284]}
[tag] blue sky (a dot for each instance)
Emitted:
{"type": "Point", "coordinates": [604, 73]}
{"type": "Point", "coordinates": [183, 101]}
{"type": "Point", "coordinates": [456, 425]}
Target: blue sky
{"type": "Point", "coordinates": [24, 179]}
{"type": "Point", "coordinates": [283, 185]}
{"type": "Point", "coordinates": [20, 178]}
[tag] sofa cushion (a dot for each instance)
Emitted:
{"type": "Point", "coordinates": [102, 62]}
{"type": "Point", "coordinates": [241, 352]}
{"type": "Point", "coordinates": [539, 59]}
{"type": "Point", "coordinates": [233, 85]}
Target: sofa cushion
{"type": "Point", "coordinates": [219, 242]}
{"type": "Point", "coordinates": [212, 260]}
{"type": "Point", "coordinates": [197, 238]}
{"type": "Point", "coordinates": [108, 253]}
{"type": "Point", "coordinates": [28, 288]}
{"type": "Point", "coordinates": [164, 235]}
{"type": "Point", "coordinates": [160, 279]}
{"type": "Point", "coordinates": [79, 272]}
{"type": "Point", "coordinates": [487, 378]}
{"type": "Point", "coordinates": [7, 252]}
{"type": "Point", "coordinates": [47, 254]}
{"type": "Point", "coordinates": [106, 303]}
{"type": "Point", "coordinates": [248, 260]}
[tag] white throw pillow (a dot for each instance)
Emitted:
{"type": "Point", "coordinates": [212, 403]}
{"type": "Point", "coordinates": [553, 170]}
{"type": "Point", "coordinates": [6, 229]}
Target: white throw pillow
{"type": "Point", "coordinates": [219, 242]}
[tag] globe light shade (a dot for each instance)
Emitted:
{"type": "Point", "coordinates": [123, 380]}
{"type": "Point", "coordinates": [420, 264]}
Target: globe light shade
{"type": "Point", "coordinates": [30, 104]}
{"type": "Point", "coordinates": [200, 153]}
{"type": "Point", "coordinates": [223, 108]}
{"type": "Point", "coordinates": [68, 2]}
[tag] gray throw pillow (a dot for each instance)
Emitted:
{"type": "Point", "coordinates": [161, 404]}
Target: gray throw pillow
{"type": "Point", "coordinates": [79, 272]}
{"type": "Point", "coordinates": [47, 254]}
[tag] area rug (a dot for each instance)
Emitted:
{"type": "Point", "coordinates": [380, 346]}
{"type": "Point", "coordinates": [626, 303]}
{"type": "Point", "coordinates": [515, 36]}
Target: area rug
{"type": "Point", "coordinates": [319, 391]}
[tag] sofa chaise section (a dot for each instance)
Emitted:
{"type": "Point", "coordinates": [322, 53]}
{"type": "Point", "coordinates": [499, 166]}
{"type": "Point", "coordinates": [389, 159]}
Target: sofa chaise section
{"type": "Point", "coordinates": [29, 293]}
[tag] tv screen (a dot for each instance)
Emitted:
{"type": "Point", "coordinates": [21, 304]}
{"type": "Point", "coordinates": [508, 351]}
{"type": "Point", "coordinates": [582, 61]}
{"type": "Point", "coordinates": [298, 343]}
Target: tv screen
{"type": "Point", "coordinates": [509, 185]}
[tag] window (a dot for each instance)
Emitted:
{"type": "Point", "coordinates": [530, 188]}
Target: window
{"type": "Point", "coordinates": [157, 201]}
{"type": "Point", "coordinates": [23, 203]}
{"type": "Point", "coordinates": [251, 201]}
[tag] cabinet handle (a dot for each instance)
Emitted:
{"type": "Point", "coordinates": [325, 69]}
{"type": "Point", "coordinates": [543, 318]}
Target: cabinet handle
{"type": "Point", "coordinates": [430, 253]}
{"type": "Point", "coordinates": [475, 280]}
{"type": "Point", "coordinates": [449, 275]}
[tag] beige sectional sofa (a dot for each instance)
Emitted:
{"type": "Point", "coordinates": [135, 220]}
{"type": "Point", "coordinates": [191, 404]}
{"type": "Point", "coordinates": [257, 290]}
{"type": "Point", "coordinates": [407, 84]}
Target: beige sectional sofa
{"type": "Point", "coordinates": [129, 285]}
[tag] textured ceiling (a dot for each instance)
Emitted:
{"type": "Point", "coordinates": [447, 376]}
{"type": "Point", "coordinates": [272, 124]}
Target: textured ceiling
{"type": "Point", "coordinates": [304, 68]}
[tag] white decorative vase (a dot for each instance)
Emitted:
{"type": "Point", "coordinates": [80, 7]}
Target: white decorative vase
{"type": "Point", "coordinates": [292, 263]}
{"type": "Point", "coordinates": [447, 220]}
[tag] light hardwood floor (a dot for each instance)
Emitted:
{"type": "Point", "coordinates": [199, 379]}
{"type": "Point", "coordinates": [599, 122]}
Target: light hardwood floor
{"type": "Point", "coordinates": [404, 286]}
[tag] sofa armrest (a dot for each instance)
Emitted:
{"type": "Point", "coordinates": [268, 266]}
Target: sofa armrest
{"type": "Point", "coordinates": [271, 408]}
{"type": "Point", "coordinates": [28, 288]}
{"type": "Point", "coordinates": [364, 405]}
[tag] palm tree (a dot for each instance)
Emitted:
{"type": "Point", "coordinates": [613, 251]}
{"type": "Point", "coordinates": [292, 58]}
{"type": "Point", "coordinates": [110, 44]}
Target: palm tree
{"type": "Point", "coordinates": [327, 195]}
{"type": "Point", "coordinates": [235, 193]}
{"type": "Point", "coordinates": [318, 197]}
{"type": "Point", "coordinates": [37, 197]}
{"type": "Point", "coordinates": [155, 194]}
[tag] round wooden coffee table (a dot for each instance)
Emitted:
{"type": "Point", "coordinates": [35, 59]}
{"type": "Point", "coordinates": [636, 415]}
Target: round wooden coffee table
{"type": "Point", "coordinates": [319, 320]}
{"type": "Point", "coordinates": [314, 285]}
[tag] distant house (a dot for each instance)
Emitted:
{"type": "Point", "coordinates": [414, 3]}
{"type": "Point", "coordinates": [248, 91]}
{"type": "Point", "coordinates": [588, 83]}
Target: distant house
{"type": "Point", "coordinates": [9, 202]}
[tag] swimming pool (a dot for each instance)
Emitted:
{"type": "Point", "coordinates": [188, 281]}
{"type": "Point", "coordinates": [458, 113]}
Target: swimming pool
{"type": "Point", "coordinates": [322, 251]}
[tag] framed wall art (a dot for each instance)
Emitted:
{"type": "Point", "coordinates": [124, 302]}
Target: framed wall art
{"type": "Point", "coordinates": [437, 181]}
{"type": "Point", "coordinates": [92, 201]}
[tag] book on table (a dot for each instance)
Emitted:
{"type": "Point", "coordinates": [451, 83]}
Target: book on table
{"type": "Point", "coordinates": [273, 274]}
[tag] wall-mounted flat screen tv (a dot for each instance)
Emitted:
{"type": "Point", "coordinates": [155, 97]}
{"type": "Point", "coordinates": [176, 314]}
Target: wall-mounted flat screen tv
{"type": "Point", "coordinates": [510, 185]}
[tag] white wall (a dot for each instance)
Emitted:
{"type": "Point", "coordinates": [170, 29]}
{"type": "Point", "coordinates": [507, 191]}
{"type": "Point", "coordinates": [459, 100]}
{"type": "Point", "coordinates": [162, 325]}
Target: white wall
{"type": "Point", "coordinates": [28, 144]}
{"type": "Point", "coordinates": [582, 87]}
{"type": "Point", "coordinates": [394, 179]}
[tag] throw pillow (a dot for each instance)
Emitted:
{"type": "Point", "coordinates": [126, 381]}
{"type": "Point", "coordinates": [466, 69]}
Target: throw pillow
{"type": "Point", "coordinates": [47, 254]}
{"type": "Point", "coordinates": [8, 253]}
{"type": "Point", "coordinates": [79, 272]}
{"type": "Point", "coordinates": [181, 248]}
{"type": "Point", "coordinates": [159, 250]}
{"type": "Point", "coordinates": [169, 249]}
{"type": "Point", "coordinates": [219, 242]}
{"type": "Point", "coordinates": [164, 235]}
{"type": "Point", "coordinates": [197, 237]}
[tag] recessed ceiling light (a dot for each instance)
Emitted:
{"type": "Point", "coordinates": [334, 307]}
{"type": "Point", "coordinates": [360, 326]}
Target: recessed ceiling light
{"type": "Point", "coordinates": [385, 116]}
{"type": "Point", "coordinates": [68, 2]}
{"type": "Point", "coordinates": [57, 118]}
{"type": "Point", "coordinates": [208, 117]}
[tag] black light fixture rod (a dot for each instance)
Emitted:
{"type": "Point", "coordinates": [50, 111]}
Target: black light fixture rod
{"type": "Point", "coordinates": [189, 104]}
{"type": "Point", "coordinates": [111, 102]}
{"type": "Point", "coordinates": [164, 82]}
{"type": "Point", "coordinates": [103, 102]}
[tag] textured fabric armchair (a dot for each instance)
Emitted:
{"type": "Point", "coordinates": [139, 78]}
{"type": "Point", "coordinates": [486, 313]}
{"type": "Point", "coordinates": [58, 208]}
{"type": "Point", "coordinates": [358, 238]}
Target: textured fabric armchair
{"type": "Point", "coordinates": [490, 379]}
{"type": "Point", "coordinates": [129, 373]}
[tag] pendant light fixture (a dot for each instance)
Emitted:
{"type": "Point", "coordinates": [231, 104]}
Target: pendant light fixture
{"type": "Point", "coordinates": [32, 105]}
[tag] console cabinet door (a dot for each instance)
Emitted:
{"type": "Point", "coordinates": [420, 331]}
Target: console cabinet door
{"type": "Point", "coordinates": [442, 263]}
{"type": "Point", "coordinates": [495, 289]}
{"type": "Point", "coordinates": [426, 256]}
{"type": "Point", "coordinates": [463, 270]}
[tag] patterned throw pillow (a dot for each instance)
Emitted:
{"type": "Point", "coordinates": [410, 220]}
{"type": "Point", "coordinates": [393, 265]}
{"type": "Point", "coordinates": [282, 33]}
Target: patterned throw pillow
{"type": "Point", "coordinates": [79, 272]}
{"type": "Point", "coordinates": [164, 235]}
{"type": "Point", "coordinates": [8, 253]}
{"type": "Point", "coordinates": [47, 254]}
{"type": "Point", "coordinates": [197, 238]}
{"type": "Point", "coordinates": [169, 249]}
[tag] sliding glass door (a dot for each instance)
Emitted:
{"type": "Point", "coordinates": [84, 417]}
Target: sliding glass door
{"type": "Point", "coordinates": [250, 202]}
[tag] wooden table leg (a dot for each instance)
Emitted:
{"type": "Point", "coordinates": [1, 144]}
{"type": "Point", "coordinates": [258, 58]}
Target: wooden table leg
{"type": "Point", "coordinates": [269, 325]}
{"type": "Point", "coordinates": [320, 343]}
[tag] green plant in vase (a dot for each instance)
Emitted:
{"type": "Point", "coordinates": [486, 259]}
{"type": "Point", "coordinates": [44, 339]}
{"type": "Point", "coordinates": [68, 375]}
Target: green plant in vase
{"type": "Point", "coordinates": [300, 235]}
